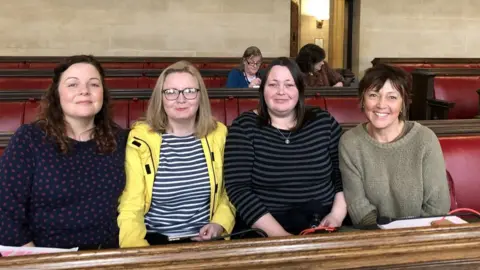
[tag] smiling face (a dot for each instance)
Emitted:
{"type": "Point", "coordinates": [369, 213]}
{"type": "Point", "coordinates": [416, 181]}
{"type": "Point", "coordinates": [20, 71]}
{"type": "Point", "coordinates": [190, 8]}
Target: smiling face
{"type": "Point", "coordinates": [81, 92]}
{"type": "Point", "coordinates": [185, 106]}
{"type": "Point", "coordinates": [281, 92]}
{"type": "Point", "coordinates": [382, 108]}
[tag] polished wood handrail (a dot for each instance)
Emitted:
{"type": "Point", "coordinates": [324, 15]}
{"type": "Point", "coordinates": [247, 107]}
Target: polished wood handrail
{"type": "Point", "coordinates": [422, 60]}
{"type": "Point", "coordinates": [377, 248]}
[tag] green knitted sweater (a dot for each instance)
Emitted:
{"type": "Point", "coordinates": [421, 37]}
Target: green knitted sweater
{"type": "Point", "coordinates": [403, 178]}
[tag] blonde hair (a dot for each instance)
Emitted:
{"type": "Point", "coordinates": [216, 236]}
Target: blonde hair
{"type": "Point", "coordinates": [156, 116]}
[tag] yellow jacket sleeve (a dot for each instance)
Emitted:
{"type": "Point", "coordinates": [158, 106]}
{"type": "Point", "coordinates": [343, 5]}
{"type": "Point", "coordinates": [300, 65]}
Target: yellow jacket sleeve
{"type": "Point", "coordinates": [225, 212]}
{"type": "Point", "coordinates": [132, 202]}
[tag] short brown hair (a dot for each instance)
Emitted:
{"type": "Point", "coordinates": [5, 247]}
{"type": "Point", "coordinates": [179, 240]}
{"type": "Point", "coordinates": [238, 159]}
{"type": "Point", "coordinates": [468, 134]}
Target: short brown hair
{"type": "Point", "coordinates": [250, 52]}
{"type": "Point", "coordinates": [51, 118]}
{"type": "Point", "coordinates": [375, 77]}
{"type": "Point", "coordinates": [157, 117]}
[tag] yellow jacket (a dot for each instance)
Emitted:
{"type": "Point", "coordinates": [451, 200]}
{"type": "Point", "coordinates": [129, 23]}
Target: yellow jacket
{"type": "Point", "coordinates": [142, 158]}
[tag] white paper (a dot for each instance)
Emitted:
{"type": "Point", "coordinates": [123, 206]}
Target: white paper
{"type": "Point", "coordinates": [419, 222]}
{"type": "Point", "coordinates": [7, 251]}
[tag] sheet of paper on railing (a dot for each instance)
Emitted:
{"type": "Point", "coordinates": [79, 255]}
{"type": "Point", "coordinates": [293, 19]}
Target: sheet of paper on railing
{"type": "Point", "coordinates": [419, 222]}
{"type": "Point", "coordinates": [7, 251]}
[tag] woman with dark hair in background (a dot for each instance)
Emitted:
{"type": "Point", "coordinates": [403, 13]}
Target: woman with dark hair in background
{"type": "Point", "coordinates": [61, 176]}
{"type": "Point", "coordinates": [281, 160]}
{"type": "Point", "coordinates": [317, 72]}
{"type": "Point", "coordinates": [247, 76]}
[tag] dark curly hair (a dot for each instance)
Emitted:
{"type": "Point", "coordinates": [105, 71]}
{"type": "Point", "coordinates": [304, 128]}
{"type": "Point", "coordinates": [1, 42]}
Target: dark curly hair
{"type": "Point", "coordinates": [51, 118]}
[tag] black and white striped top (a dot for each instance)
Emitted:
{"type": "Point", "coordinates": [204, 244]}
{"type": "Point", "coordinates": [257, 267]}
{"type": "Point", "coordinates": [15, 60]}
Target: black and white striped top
{"type": "Point", "coordinates": [264, 174]}
{"type": "Point", "coordinates": [181, 191]}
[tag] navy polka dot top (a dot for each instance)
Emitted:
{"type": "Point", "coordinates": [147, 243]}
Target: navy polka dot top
{"type": "Point", "coordinates": [59, 200]}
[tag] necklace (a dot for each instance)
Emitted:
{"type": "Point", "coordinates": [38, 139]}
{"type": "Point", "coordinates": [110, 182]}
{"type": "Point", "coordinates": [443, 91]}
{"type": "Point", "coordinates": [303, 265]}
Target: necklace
{"type": "Point", "coordinates": [287, 139]}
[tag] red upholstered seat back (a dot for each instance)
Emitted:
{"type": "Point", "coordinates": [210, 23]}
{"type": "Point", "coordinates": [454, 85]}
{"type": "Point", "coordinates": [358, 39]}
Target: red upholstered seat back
{"type": "Point", "coordinates": [221, 65]}
{"type": "Point", "coordinates": [24, 83]}
{"type": "Point", "coordinates": [11, 115]}
{"type": "Point", "coordinates": [462, 159]}
{"type": "Point", "coordinates": [218, 109]}
{"type": "Point", "coordinates": [40, 65]}
{"type": "Point", "coordinates": [231, 110]}
{"type": "Point", "coordinates": [32, 109]}
{"type": "Point", "coordinates": [9, 65]}
{"type": "Point", "coordinates": [157, 65]}
{"type": "Point", "coordinates": [462, 91]}
{"type": "Point", "coordinates": [121, 82]}
{"type": "Point", "coordinates": [316, 102]}
{"type": "Point", "coordinates": [409, 67]}
{"type": "Point", "coordinates": [247, 104]}
{"type": "Point", "coordinates": [345, 109]}
{"type": "Point", "coordinates": [454, 65]}
{"type": "Point", "coordinates": [451, 188]}
{"type": "Point", "coordinates": [136, 110]}
{"type": "Point", "coordinates": [120, 110]}
{"type": "Point", "coordinates": [126, 65]}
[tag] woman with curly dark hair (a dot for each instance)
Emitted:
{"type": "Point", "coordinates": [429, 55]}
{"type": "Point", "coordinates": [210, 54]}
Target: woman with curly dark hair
{"type": "Point", "coordinates": [61, 176]}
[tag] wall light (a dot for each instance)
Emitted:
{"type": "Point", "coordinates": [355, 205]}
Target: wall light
{"type": "Point", "coordinates": [320, 9]}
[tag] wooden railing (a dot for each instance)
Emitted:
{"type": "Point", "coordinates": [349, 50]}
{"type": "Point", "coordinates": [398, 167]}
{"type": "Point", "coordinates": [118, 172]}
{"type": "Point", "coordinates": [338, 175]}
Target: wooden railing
{"type": "Point", "coordinates": [455, 247]}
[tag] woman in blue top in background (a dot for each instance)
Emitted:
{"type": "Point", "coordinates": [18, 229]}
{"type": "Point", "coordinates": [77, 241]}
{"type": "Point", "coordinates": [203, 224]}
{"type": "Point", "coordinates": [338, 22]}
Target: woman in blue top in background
{"type": "Point", "coordinates": [247, 75]}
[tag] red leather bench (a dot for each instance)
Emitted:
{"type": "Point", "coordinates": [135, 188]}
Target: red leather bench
{"type": "Point", "coordinates": [226, 104]}
{"type": "Point", "coordinates": [445, 93]}
{"type": "Point", "coordinates": [410, 64]}
{"type": "Point", "coordinates": [11, 115]}
{"type": "Point", "coordinates": [46, 62]}
{"type": "Point", "coordinates": [22, 79]}
{"type": "Point", "coordinates": [462, 159]}
{"type": "Point", "coordinates": [411, 67]}
{"type": "Point", "coordinates": [345, 109]}
{"type": "Point", "coordinates": [461, 91]}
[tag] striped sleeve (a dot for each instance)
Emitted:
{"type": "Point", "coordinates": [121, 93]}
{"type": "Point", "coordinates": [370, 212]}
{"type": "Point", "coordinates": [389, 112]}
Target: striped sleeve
{"type": "Point", "coordinates": [336, 132]}
{"type": "Point", "coordinates": [238, 166]}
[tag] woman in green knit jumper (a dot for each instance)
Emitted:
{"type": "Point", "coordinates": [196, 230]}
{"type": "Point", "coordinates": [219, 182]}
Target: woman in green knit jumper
{"type": "Point", "coordinates": [391, 167]}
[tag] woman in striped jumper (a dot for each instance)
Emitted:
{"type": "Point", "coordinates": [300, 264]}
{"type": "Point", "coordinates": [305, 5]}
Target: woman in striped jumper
{"type": "Point", "coordinates": [174, 166]}
{"type": "Point", "coordinates": [281, 160]}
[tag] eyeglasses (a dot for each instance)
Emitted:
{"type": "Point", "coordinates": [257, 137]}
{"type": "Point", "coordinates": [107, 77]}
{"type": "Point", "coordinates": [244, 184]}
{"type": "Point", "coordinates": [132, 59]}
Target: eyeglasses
{"type": "Point", "coordinates": [253, 64]}
{"type": "Point", "coordinates": [188, 93]}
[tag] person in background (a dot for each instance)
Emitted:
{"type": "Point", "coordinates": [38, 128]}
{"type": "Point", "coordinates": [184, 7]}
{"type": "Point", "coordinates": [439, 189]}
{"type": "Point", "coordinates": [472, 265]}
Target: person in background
{"type": "Point", "coordinates": [174, 166]}
{"type": "Point", "coordinates": [317, 72]}
{"type": "Point", "coordinates": [61, 176]}
{"type": "Point", "coordinates": [281, 160]}
{"type": "Point", "coordinates": [247, 75]}
{"type": "Point", "coordinates": [391, 167]}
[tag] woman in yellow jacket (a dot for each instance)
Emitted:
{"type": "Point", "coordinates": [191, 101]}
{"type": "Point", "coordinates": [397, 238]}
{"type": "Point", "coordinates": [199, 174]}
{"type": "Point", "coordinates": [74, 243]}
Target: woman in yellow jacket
{"type": "Point", "coordinates": [174, 167]}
